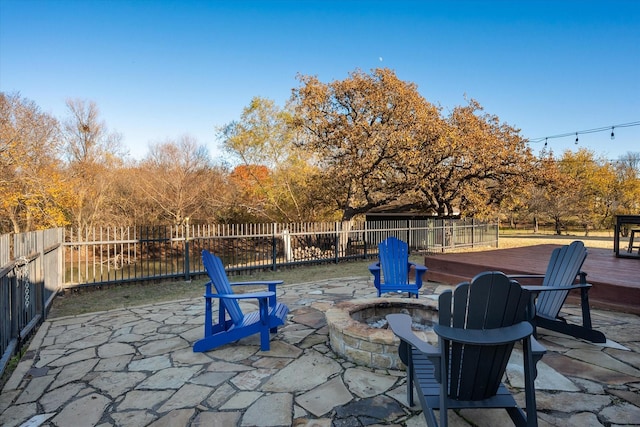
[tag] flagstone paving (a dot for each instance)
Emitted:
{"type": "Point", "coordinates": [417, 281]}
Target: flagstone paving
{"type": "Point", "coordinates": [135, 367]}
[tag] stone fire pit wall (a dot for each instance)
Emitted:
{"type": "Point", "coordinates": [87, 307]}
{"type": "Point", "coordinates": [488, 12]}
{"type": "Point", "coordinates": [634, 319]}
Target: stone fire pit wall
{"type": "Point", "coordinates": [351, 337]}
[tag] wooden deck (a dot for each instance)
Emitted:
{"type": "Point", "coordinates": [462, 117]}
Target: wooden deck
{"type": "Point", "coordinates": [616, 281]}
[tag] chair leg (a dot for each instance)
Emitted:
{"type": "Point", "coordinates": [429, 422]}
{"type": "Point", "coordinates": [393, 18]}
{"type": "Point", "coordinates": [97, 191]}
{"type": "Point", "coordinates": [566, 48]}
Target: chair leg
{"type": "Point", "coordinates": [444, 381]}
{"type": "Point", "coordinates": [264, 328]}
{"type": "Point", "coordinates": [208, 312]}
{"type": "Point", "coordinates": [410, 373]}
{"type": "Point", "coordinates": [584, 303]}
{"type": "Point", "coordinates": [208, 317]}
{"type": "Point", "coordinates": [529, 390]}
{"type": "Point", "coordinates": [264, 339]}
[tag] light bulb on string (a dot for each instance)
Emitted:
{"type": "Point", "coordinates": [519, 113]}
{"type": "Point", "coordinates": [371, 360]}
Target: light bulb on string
{"type": "Point", "coordinates": [610, 128]}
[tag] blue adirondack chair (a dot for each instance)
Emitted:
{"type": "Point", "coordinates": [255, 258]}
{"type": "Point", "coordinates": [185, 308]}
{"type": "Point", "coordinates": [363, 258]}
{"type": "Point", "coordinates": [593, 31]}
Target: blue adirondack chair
{"type": "Point", "coordinates": [479, 323]}
{"type": "Point", "coordinates": [395, 267]}
{"type": "Point", "coordinates": [233, 324]}
{"type": "Point", "coordinates": [562, 273]}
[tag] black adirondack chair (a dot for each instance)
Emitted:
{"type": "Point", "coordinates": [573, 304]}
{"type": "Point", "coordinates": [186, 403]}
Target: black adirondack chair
{"type": "Point", "coordinates": [563, 272]}
{"type": "Point", "coordinates": [479, 323]}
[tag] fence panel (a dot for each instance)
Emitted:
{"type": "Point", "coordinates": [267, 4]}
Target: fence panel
{"type": "Point", "coordinates": [29, 296]}
{"type": "Point", "coordinates": [8, 338]}
{"type": "Point", "coordinates": [117, 255]}
{"type": "Point", "coordinates": [35, 265]}
{"type": "Point", "coordinates": [30, 275]}
{"type": "Point", "coordinates": [52, 257]}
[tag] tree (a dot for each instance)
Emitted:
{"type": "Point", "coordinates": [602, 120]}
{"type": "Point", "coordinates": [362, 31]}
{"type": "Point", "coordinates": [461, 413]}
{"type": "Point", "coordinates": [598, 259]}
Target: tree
{"type": "Point", "coordinates": [594, 189]}
{"type": "Point", "coordinates": [272, 181]}
{"type": "Point", "coordinates": [34, 192]}
{"type": "Point", "coordinates": [248, 184]}
{"type": "Point", "coordinates": [630, 162]}
{"type": "Point", "coordinates": [552, 194]}
{"type": "Point", "coordinates": [173, 178]}
{"type": "Point", "coordinates": [92, 153]}
{"type": "Point", "coordinates": [365, 132]}
{"type": "Point", "coordinates": [475, 163]}
{"type": "Point", "coordinates": [378, 141]}
{"type": "Point", "coordinates": [627, 170]}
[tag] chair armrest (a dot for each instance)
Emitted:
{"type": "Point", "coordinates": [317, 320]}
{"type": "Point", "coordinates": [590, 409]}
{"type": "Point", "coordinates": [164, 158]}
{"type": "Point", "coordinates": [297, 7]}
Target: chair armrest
{"type": "Point", "coordinates": [419, 267]}
{"type": "Point", "coordinates": [525, 276]}
{"type": "Point", "coordinates": [376, 270]}
{"type": "Point", "coordinates": [537, 289]}
{"type": "Point", "coordinates": [400, 324]}
{"type": "Point", "coordinates": [419, 270]}
{"type": "Point", "coordinates": [257, 295]}
{"type": "Point", "coordinates": [258, 282]}
{"type": "Point", "coordinates": [495, 336]}
{"type": "Point", "coordinates": [537, 349]}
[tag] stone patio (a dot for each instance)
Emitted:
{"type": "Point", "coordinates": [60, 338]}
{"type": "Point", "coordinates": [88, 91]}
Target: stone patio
{"type": "Point", "coordinates": [135, 367]}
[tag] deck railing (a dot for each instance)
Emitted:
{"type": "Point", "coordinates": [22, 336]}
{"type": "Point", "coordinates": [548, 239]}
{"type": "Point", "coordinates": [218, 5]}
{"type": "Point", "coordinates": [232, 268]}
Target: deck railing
{"type": "Point", "coordinates": [124, 254]}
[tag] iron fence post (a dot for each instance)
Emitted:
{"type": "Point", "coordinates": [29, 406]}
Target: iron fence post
{"type": "Point", "coordinates": [336, 243]}
{"type": "Point", "coordinates": [186, 260]}
{"type": "Point", "coordinates": [473, 231]}
{"type": "Point", "coordinates": [186, 252]}
{"type": "Point", "coordinates": [365, 236]}
{"type": "Point", "coordinates": [15, 306]}
{"type": "Point", "coordinates": [274, 252]}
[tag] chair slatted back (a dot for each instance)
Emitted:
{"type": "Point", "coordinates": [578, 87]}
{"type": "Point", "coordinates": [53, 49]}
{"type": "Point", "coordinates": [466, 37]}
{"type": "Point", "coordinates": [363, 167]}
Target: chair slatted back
{"type": "Point", "coordinates": [564, 265]}
{"type": "Point", "coordinates": [394, 260]}
{"type": "Point", "coordinates": [218, 277]}
{"type": "Point", "coordinates": [490, 301]}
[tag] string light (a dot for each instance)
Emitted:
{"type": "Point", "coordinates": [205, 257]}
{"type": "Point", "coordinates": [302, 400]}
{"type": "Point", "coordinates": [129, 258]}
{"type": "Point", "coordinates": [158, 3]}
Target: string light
{"type": "Point", "coordinates": [582, 132]}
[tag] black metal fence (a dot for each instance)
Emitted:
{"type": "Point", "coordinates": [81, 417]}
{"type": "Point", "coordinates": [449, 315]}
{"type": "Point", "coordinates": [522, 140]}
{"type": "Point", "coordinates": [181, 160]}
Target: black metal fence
{"type": "Point", "coordinates": [30, 275]}
{"type": "Point", "coordinates": [125, 254]}
{"type": "Point", "coordinates": [35, 266]}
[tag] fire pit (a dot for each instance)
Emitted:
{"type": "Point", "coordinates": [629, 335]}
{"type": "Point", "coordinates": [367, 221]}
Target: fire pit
{"type": "Point", "coordinates": [359, 333]}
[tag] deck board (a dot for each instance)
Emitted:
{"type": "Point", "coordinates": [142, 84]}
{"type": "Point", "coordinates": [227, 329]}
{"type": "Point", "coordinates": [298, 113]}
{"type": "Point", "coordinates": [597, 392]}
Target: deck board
{"type": "Point", "coordinates": [616, 281]}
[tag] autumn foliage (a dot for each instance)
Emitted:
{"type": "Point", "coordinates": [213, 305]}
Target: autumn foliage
{"type": "Point", "coordinates": [334, 152]}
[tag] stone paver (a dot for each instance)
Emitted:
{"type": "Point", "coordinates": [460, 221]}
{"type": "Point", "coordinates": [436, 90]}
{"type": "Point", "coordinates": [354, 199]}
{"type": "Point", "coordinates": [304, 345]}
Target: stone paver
{"type": "Point", "coordinates": [135, 367]}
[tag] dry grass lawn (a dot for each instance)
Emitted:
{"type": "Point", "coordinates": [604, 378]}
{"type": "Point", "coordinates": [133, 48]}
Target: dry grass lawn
{"type": "Point", "coordinates": [600, 239]}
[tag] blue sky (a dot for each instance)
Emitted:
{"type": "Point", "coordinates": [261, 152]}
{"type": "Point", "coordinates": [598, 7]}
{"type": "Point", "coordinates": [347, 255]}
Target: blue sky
{"type": "Point", "coordinates": [162, 69]}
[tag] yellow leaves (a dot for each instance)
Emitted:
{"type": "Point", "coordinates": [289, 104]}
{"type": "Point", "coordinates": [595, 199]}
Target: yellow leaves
{"type": "Point", "coordinates": [577, 187]}
{"type": "Point", "coordinates": [381, 140]}
{"type": "Point", "coordinates": [274, 177]}
{"type": "Point", "coordinates": [31, 183]}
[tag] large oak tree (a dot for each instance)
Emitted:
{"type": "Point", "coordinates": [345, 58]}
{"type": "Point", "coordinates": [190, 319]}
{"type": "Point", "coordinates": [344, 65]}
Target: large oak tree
{"type": "Point", "coordinates": [367, 133]}
{"type": "Point", "coordinates": [378, 141]}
